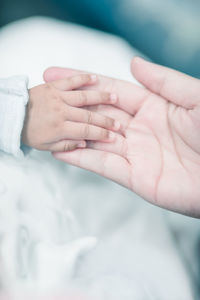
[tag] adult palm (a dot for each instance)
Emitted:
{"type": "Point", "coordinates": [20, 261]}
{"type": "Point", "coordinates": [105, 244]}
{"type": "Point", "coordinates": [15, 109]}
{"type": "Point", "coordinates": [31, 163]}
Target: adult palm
{"type": "Point", "coordinates": [157, 154]}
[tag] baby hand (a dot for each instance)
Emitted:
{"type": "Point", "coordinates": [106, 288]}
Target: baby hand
{"type": "Point", "coordinates": [54, 120]}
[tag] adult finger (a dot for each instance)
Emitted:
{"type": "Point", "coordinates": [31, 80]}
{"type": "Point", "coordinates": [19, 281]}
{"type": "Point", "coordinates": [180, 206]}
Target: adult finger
{"type": "Point", "coordinates": [119, 146]}
{"type": "Point", "coordinates": [174, 86]}
{"type": "Point", "coordinates": [106, 164]}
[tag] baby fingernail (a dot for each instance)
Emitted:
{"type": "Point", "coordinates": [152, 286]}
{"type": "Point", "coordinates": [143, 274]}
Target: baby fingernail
{"type": "Point", "coordinates": [111, 136]}
{"type": "Point", "coordinates": [81, 144]}
{"type": "Point", "coordinates": [113, 98]}
{"type": "Point", "coordinates": [117, 125]}
{"type": "Point", "coordinates": [93, 78]}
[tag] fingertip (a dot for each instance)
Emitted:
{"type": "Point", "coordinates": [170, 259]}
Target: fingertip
{"type": "Point", "coordinates": [134, 63]}
{"type": "Point", "coordinates": [49, 74]}
{"type": "Point", "coordinates": [81, 144]}
{"type": "Point", "coordinates": [93, 78]}
{"type": "Point", "coordinates": [113, 98]}
{"type": "Point", "coordinates": [111, 137]}
{"type": "Point", "coordinates": [137, 60]}
{"type": "Point", "coordinates": [117, 125]}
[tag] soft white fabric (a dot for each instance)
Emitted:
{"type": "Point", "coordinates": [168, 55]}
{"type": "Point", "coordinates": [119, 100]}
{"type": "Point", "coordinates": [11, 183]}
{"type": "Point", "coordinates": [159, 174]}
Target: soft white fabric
{"type": "Point", "coordinates": [13, 100]}
{"type": "Point", "coordinates": [64, 229]}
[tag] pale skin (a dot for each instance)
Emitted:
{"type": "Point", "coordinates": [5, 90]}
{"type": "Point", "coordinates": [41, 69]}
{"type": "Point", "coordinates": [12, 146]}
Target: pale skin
{"type": "Point", "coordinates": [157, 153]}
{"type": "Point", "coordinates": [56, 118]}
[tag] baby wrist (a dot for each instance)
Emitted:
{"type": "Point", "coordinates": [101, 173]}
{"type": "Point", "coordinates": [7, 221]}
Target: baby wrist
{"type": "Point", "coordinates": [13, 100]}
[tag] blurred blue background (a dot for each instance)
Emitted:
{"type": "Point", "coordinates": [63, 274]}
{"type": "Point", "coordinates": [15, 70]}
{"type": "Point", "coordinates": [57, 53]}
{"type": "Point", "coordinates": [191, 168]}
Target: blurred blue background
{"type": "Point", "coordinates": [166, 31]}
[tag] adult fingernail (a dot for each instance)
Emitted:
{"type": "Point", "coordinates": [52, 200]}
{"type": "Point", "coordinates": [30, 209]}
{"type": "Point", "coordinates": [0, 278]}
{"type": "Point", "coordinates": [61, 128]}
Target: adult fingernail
{"type": "Point", "coordinates": [113, 98]}
{"type": "Point", "coordinates": [93, 78]}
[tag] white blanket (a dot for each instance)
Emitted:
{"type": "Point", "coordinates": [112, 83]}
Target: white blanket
{"type": "Point", "coordinates": [65, 229]}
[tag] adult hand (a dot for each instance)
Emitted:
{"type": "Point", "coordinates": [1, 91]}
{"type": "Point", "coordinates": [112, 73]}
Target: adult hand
{"type": "Point", "coordinates": [157, 154]}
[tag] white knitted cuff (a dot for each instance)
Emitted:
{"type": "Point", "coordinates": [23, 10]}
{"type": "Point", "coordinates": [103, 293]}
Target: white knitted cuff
{"type": "Point", "coordinates": [13, 99]}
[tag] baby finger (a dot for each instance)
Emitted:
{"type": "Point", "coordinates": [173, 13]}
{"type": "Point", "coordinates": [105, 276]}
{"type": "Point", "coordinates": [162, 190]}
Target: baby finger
{"type": "Point", "coordinates": [86, 98]}
{"type": "Point", "coordinates": [66, 145]}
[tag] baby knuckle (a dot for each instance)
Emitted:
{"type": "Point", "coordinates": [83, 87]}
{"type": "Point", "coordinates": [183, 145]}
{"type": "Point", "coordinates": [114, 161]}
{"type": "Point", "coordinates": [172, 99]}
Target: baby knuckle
{"type": "Point", "coordinates": [83, 98]}
{"type": "Point", "coordinates": [106, 122]}
{"type": "Point", "coordinates": [64, 127]}
{"type": "Point", "coordinates": [65, 113]}
{"type": "Point", "coordinates": [89, 117]}
{"type": "Point", "coordinates": [106, 97]}
{"type": "Point", "coordinates": [109, 122]}
{"type": "Point", "coordinates": [103, 97]}
{"type": "Point", "coordinates": [50, 89]}
{"type": "Point", "coordinates": [63, 116]}
{"type": "Point", "coordinates": [72, 82]}
{"type": "Point", "coordinates": [55, 124]}
{"type": "Point", "coordinates": [104, 134]}
{"type": "Point", "coordinates": [86, 131]}
{"type": "Point", "coordinates": [67, 147]}
{"type": "Point", "coordinates": [84, 78]}
{"type": "Point", "coordinates": [48, 86]}
{"type": "Point", "coordinates": [57, 108]}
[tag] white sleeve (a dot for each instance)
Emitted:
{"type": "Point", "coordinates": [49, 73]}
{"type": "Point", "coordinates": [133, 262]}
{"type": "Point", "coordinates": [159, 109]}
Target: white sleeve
{"type": "Point", "coordinates": [13, 99]}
